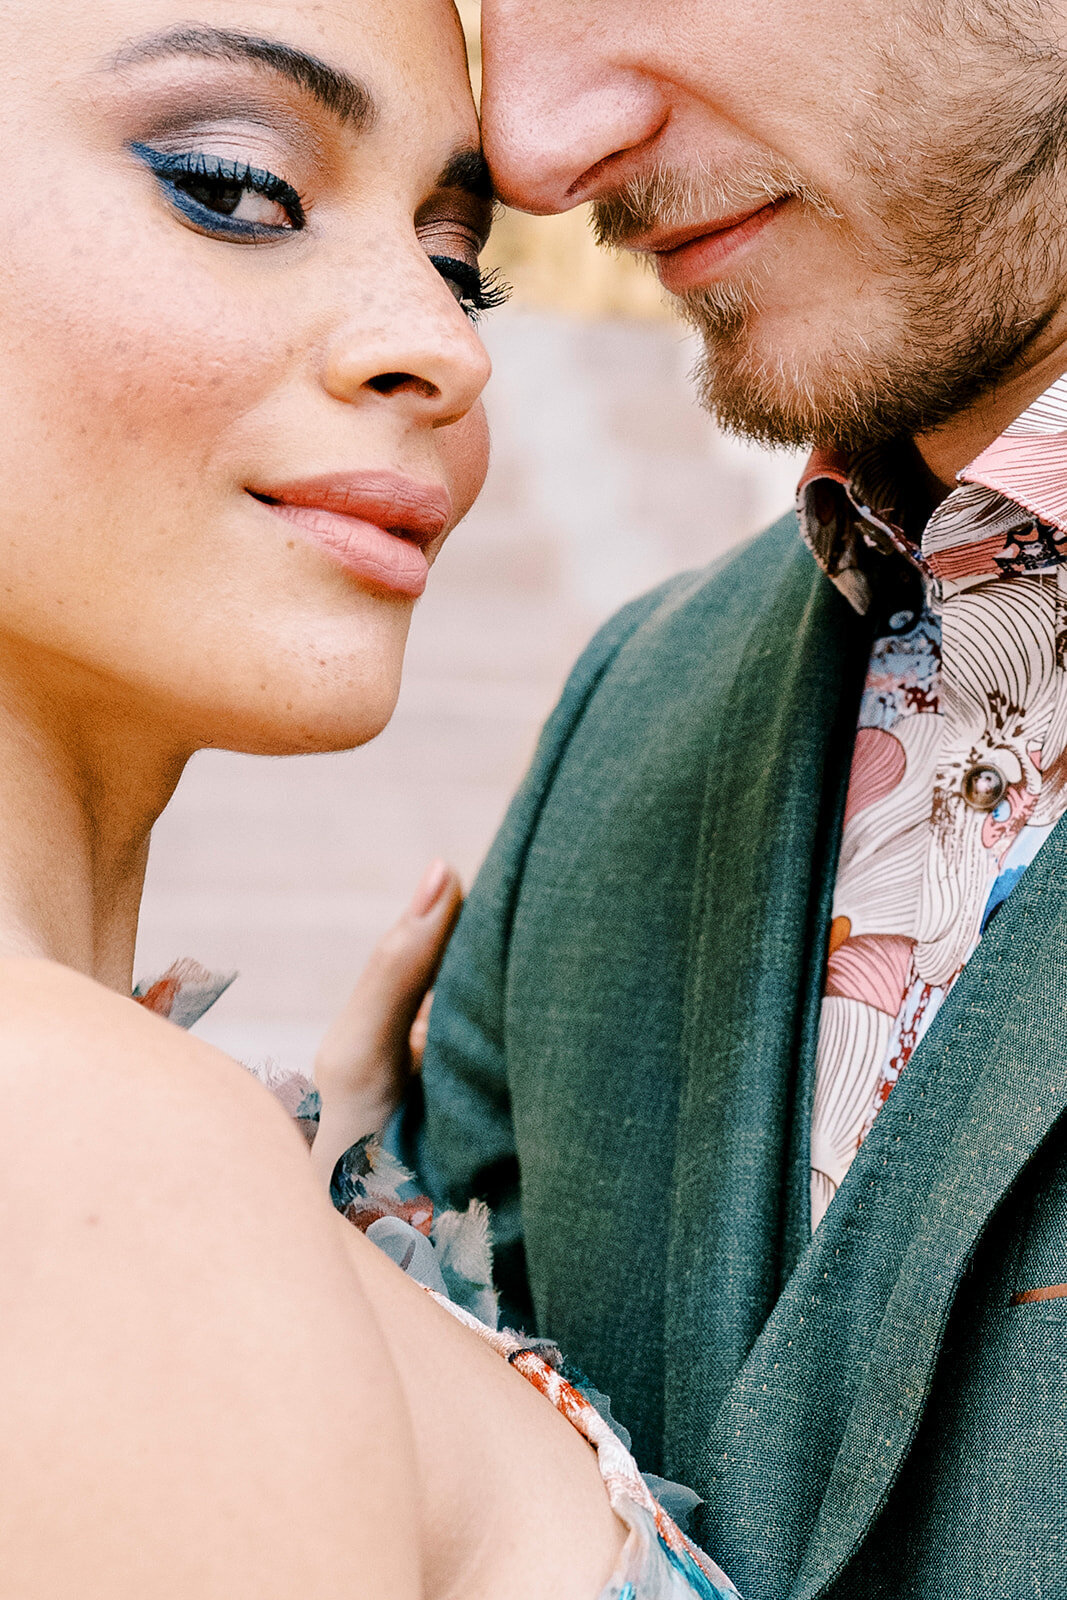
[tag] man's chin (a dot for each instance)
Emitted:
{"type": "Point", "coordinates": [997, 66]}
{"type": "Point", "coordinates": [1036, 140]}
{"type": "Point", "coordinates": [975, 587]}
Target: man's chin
{"type": "Point", "coordinates": [772, 400]}
{"type": "Point", "coordinates": [769, 392]}
{"type": "Point", "coordinates": [750, 376]}
{"type": "Point", "coordinates": [882, 378]}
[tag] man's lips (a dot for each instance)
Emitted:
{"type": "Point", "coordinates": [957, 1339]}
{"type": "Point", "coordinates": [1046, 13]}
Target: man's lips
{"type": "Point", "coordinates": [690, 258]}
{"type": "Point", "coordinates": [377, 525]}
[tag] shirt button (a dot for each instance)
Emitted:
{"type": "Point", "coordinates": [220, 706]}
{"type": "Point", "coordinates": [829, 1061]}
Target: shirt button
{"type": "Point", "coordinates": [901, 622]}
{"type": "Point", "coordinates": [984, 787]}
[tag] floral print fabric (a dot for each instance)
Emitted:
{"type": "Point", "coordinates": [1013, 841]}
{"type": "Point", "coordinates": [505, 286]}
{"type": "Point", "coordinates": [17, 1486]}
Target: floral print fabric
{"type": "Point", "coordinates": [960, 764]}
{"type": "Point", "coordinates": [449, 1254]}
{"type": "Point", "coordinates": [658, 1562]}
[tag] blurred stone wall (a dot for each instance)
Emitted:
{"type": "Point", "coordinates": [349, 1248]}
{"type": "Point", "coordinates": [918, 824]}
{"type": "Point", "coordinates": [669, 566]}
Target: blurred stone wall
{"type": "Point", "coordinates": [605, 479]}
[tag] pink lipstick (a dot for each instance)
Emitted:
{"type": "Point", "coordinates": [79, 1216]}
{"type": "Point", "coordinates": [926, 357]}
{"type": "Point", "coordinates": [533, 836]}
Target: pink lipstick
{"type": "Point", "coordinates": [376, 525]}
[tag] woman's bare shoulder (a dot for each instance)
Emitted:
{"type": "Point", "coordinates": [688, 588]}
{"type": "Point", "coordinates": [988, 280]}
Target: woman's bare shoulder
{"type": "Point", "coordinates": [77, 1056]}
{"type": "Point", "coordinates": [171, 1276]}
{"type": "Point", "coordinates": [161, 1146]}
{"type": "Point", "coordinates": [122, 1123]}
{"type": "Point", "coordinates": [48, 1010]}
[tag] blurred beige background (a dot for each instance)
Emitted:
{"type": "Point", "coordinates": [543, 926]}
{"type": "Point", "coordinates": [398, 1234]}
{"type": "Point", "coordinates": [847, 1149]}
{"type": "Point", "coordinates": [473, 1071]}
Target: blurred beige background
{"type": "Point", "coordinates": [605, 479]}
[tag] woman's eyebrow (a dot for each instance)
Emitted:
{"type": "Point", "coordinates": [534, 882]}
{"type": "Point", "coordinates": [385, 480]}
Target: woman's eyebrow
{"type": "Point", "coordinates": [467, 169]}
{"type": "Point", "coordinates": [343, 96]}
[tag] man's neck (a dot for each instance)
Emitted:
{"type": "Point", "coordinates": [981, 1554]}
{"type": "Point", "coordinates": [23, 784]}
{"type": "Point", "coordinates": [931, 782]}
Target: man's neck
{"type": "Point", "coordinates": [946, 450]}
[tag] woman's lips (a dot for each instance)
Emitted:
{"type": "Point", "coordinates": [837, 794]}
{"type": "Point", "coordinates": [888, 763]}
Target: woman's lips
{"type": "Point", "coordinates": [377, 526]}
{"type": "Point", "coordinates": [699, 260]}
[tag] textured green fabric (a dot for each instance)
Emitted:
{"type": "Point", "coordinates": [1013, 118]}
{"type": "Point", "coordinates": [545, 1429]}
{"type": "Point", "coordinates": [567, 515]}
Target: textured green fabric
{"type": "Point", "coordinates": [627, 1018]}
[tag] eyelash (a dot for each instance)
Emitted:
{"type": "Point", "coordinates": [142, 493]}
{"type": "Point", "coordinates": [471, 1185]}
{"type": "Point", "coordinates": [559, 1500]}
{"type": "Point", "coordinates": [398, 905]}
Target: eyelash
{"type": "Point", "coordinates": [207, 170]}
{"type": "Point", "coordinates": [478, 291]}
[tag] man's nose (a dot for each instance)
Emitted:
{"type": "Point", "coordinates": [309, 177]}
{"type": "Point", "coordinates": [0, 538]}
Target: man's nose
{"type": "Point", "coordinates": [562, 116]}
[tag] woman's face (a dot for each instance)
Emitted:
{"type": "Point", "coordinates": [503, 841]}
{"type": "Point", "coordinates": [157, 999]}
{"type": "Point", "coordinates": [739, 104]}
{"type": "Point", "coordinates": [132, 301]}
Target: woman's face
{"type": "Point", "coordinates": [239, 261]}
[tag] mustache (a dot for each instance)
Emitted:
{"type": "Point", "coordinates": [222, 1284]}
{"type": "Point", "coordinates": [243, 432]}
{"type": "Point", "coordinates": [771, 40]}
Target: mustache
{"type": "Point", "coordinates": [678, 197]}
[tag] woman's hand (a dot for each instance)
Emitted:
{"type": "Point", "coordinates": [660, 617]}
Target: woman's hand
{"type": "Point", "coordinates": [366, 1059]}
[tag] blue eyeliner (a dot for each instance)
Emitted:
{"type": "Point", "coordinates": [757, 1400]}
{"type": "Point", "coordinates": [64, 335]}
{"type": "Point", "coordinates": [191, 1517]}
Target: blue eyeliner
{"type": "Point", "coordinates": [202, 186]}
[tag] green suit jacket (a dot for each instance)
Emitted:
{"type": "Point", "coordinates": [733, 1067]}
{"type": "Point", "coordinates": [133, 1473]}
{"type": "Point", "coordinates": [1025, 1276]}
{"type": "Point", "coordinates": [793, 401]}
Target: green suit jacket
{"type": "Point", "coordinates": [621, 1062]}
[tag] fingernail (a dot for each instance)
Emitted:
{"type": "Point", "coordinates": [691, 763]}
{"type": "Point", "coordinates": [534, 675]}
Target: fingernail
{"type": "Point", "coordinates": [430, 889]}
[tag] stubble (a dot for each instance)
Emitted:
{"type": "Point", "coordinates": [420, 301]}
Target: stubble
{"type": "Point", "coordinates": [955, 216]}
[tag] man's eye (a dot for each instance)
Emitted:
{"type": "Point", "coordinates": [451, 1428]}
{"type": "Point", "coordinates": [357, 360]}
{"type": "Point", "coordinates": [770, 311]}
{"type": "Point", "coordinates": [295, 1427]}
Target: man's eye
{"type": "Point", "coordinates": [226, 199]}
{"type": "Point", "coordinates": [476, 291]}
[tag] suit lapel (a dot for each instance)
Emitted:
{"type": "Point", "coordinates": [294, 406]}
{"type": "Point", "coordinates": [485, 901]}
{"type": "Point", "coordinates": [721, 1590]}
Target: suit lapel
{"type": "Point", "coordinates": [1001, 1067]}
{"type": "Point", "coordinates": [770, 822]}
{"type": "Point", "coordinates": [814, 1430]}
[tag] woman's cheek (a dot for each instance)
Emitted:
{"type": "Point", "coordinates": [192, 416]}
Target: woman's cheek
{"type": "Point", "coordinates": [465, 449]}
{"type": "Point", "coordinates": [148, 323]}
{"type": "Point", "coordinates": [171, 363]}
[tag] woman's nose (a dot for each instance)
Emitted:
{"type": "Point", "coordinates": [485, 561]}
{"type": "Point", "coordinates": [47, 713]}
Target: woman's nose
{"type": "Point", "coordinates": [558, 104]}
{"type": "Point", "coordinates": [421, 356]}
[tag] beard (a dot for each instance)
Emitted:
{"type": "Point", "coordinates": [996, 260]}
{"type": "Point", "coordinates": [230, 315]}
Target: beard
{"type": "Point", "coordinates": [956, 219]}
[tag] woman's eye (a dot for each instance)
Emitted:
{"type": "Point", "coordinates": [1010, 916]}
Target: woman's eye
{"type": "Point", "coordinates": [233, 200]}
{"type": "Point", "coordinates": [475, 290]}
{"type": "Point", "coordinates": [225, 199]}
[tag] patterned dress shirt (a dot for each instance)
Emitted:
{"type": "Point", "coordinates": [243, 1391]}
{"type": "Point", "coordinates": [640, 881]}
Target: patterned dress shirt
{"type": "Point", "coordinates": [960, 765]}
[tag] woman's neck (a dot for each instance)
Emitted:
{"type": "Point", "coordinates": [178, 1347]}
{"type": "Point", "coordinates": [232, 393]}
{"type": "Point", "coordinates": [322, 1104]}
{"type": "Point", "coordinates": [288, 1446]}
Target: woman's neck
{"type": "Point", "coordinates": [80, 788]}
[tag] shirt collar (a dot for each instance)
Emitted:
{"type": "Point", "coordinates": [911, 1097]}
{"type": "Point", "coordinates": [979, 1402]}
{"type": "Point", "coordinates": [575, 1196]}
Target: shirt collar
{"type": "Point", "coordinates": [1007, 514]}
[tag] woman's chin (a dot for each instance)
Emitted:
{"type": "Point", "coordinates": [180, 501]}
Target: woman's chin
{"type": "Point", "coordinates": [288, 718]}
